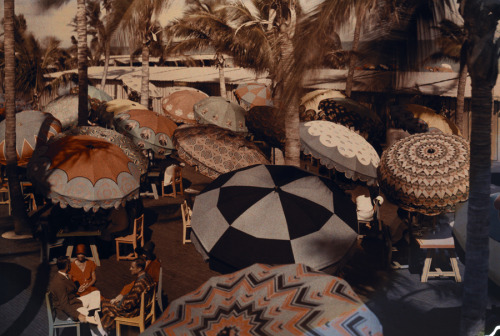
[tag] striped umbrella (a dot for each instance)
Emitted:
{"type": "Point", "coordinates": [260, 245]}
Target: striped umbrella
{"type": "Point", "coordinates": [269, 300]}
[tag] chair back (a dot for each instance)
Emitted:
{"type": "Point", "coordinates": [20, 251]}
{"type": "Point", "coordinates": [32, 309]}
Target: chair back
{"type": "Point", "coordinates": [186, 222]}
{"type": "Point", "coordinates": [139, 229]}
{"type": "Point", "coordinates": [148, 305]}
{"type": "Point", "coordinates": [50, 313]}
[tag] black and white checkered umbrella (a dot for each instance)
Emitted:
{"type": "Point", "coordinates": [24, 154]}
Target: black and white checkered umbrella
{"type": "Point", "coordinates": [275, 215]}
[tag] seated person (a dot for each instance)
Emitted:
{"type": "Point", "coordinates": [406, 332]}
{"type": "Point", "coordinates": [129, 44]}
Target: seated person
{"type": "Point", "coordinates": [153, 265]}
{"type": "Point", "coordinates": [68, 305]}
{"type": "Point", "coordinates": [129, 304]}
{"type": "Point", "coordinates": [82, 272]}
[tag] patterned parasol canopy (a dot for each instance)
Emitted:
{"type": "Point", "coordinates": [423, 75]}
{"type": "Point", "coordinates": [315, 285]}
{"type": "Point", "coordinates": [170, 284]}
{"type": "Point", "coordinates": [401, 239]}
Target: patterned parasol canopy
{"type": "Point", "coordinates": [84, 172]}
{"type": "Point", "coordinates": [215, 150]}
{"type": "Point", "coordinates": [426, 172]}
{"type": "Point", "coordinates": [148, 129]}
{"type": "Point", "coordinates": [265, 123]}
{"type": "Point", "coordinates": [275, 215]}
{"type": "Point", "coordinates": [254, 94]}
{"type": "Point", "coordinates": [221, 112]}
{"type": "Point", "coordinates": [432, 119]}
{"type": "Point", "coordinates": [339, 148]}
{"type": "Point", "coordinates": [98, 94]}
{"type": "Point", "coordinates": [117, 106]}
{"type": "Point", "coordinates": [178, 106]}
{"type": "Point", "coordinates": [33, 128]}
{"type": "Point", "coordinates": [269, 300]}
{"type": "Point", "coordinates": [65, 109]}
{"type": "Point", "coordinates": [125, 143]}
{"type": "Point", "coordinates": [310, 100]}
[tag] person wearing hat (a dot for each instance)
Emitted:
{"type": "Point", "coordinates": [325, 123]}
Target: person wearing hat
{"type": "Point", "coordinates": [82, 272]}
{"type": "Point", "coordinates": [153, 265]}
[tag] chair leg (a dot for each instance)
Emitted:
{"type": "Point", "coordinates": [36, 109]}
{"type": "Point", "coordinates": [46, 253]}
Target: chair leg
{"type": "Point", "coordinates": [117, 251]}
{"type": "Point", "coordinates": [118, 331]}
{"type": "Point", "coordinates": [78, 330]}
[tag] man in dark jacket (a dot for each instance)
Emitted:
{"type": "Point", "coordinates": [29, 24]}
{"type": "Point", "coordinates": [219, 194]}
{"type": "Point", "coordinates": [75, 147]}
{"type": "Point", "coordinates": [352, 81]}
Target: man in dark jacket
{"type": "Point", "coordinates": [68, 305]}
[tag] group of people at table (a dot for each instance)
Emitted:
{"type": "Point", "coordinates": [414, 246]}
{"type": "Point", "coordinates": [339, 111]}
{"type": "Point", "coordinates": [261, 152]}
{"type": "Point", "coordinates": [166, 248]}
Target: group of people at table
{"type": "Point", "coordinates": [75, 296]}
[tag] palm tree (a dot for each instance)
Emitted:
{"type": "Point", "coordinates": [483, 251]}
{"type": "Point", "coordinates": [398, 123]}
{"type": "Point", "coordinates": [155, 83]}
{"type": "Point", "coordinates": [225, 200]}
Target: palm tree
{"type": "Point", "coordinates": [83, 112]}
{"type": "Point", "coordinates": [21, 222]}
{"type": "Point", "coordinates": [138, 22]}
{"type": "Point", "coordinates": [204, 25]}
{"type": "Point", "coordinates": [450, 41]}
{"type": "Point", "coordinates": [480, 21]}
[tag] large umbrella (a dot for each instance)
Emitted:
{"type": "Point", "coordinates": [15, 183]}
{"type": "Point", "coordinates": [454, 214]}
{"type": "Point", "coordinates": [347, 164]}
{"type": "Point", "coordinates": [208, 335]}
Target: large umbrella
{"type": "Point", "coordinates": [84, 172]}
{"type": "Point", "coordinates": [98, 94]}
{"type": "Point", "coordinates": [426, 172]}
{"type": "Point", "coordinates": [125, 143]}
{"type": "Point", "coordinates": [460, 233]}
{"type": "Point", "coordinates": [352, 114]}
{"type": "Point", "coordinates": [269, 300]}
{"type": "Point", "coordinates": [254, 94]}
{"type": "Point", "coordinates": [148, 129]}
{"type": "Point", "coordinates": [215, 150]}
{"type": "Point", "coordinates": [432, 119]}
{"type": "Point", "coordinates": [118, 106]}
{"type": "Point", "coordinates": [339, 148]}
{"type": "Point", "coordinates": [65, 109]}
{"type": "Point", "coordinates": [273, 214]}
{"type": "Point", "coordinates": [33, 128]}
{"type": "Point", "coordinates": [310, 100]}
{"type": "Point", "coordinates": [221, 112]}
{"type": "Point", "coordinates": [178, 106]}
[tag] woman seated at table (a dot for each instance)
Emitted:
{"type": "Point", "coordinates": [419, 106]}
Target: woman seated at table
{"type": "Point", "coordinates": [82, 272]}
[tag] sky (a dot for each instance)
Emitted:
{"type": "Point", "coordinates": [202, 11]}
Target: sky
{"type": "Point", "coordinates": [55, 21]}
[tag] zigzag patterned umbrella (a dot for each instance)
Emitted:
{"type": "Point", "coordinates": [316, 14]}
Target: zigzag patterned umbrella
{"type": "Point", "coordinates": [426, 172]}
{"type": "Point", "coordinates": [266, 300]}
{"type": "Point", "coordinates": [273, 214]}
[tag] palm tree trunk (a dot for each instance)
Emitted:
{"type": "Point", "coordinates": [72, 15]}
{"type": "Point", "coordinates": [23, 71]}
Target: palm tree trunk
{"type": "Point", "coordinates": [482, 62]}
{"type": "Point", "coordinates": [222, 77]}
{"type": "Point", "coordinates": [145, 75]}
{"type": "Point", "coordinates": [106, 64]}
{"type": "Point", "coordinates": [352, 57]}
{"type": "Point", "coordinates": [21, 222]}
{"type": "Point", "coordinates": [460, 113]}
{"type": "Point", "coordinates": [83, 111]}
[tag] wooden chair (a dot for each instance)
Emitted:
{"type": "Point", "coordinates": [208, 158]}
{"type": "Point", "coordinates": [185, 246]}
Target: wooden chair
{"type": "Point", "coordinates": [159, 294]}
{"type": "Point", "coordinates": [147, 313]}
{"type": "Point", "coordinates": [55, 323]}
{"type": "Point", "coordinates": [176, 184]}
{"type": "Point", "coordinates": [135, 239]}
{"type": "Point", "coordinates": [186, 222]}
{"type": "Point", "coordinates": [5, 198]}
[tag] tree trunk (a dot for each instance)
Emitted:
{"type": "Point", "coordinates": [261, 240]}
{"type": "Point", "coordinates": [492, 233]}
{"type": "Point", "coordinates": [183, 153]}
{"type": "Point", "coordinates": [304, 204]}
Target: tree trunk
{"type": "Point", "coordinates": [460, 113]}
{"type": "Point", "coordinates": [145, 75]}
{"type": "Point", "coordinates": [222, 78]}
{"type": "Point", "coordinates": [21, 222]}
{"type": "Point", "coordinates": [352, 57]}
{"type": "Point", "coordinates": [83, 111]}
{"type": "Point", "coordinates": [106, 64]}
{"type": "Point", "coordinates": [482, 62]}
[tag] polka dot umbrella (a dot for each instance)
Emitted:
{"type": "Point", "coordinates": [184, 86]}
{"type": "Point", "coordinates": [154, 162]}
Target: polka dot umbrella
{"type": "Point", "coordinates": [148, 130]}
{"type": "Point", "coordinates": [339, 148]}
{"type": "Point", "coordinates": [178, 106]}
{"type": "Point", "coordinates": [33, 128]}
{"type": "Point", "coordinates": [426, 172]}
{"type": "Point", "coordinates": [84, 172]}
{"type": "Point", "coordinates": [269, 300]}
{"type": "Point", "coordinates": [65, 109]}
